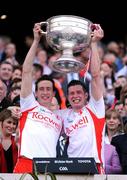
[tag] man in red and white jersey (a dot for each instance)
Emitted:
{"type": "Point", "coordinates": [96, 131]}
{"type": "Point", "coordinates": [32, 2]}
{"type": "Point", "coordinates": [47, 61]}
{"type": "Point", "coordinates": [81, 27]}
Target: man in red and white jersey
{"type": "Point", "coordinates": [39, 128]}
{"type": "Point", "coordinates": [84, 122]}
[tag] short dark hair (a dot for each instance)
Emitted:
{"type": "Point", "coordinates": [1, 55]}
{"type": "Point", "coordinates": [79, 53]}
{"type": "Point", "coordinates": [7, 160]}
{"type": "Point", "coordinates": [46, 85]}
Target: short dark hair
{"type": "Point", "coordinates": [45, 78]}
{"type": "Point", "coordinates": [6, 62]}
{"type": "Point", "coordinates": [77, 82]}
{"type": "Point", "coordinates": [19, 67]}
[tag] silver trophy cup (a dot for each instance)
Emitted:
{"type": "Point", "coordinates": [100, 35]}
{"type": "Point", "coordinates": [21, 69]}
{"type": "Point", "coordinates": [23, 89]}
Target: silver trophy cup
{"type": "Point", "coordinates": [69, 35]}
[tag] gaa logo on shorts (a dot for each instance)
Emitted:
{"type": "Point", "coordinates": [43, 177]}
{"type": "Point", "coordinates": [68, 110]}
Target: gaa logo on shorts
{"type": "Point", "coordinates": [62, 168]}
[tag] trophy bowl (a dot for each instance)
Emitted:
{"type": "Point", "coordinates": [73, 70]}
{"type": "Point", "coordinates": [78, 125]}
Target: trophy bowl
{"type": "Point", "coordinates": [68, 34]}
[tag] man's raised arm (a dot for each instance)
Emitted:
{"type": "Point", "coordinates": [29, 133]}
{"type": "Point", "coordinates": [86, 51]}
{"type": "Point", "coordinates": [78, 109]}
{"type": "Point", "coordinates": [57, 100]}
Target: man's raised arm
{"type": "Point", "coordinates": [26, 87]}
{"type": "Point", "coordinates": [96, 83]}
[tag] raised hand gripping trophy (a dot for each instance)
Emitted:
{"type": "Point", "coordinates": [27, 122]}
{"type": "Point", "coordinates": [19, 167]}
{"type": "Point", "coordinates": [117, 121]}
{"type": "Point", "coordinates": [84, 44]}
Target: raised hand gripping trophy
{"type": "Point", "coordinates": [68, 34]}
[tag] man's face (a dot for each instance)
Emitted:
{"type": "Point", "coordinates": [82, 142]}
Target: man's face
{"type": "Point", "coordinates": [77, 97]}
{"type": "Point", "coordinates": [45, 92]}
{"type": "Point", "coordinates": [6, 71]}
{"type": "Point", "coordinates": [10, 50]}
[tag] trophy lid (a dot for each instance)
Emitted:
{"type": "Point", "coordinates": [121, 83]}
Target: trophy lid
{"type": "Point", "coordinates": [58, 18]}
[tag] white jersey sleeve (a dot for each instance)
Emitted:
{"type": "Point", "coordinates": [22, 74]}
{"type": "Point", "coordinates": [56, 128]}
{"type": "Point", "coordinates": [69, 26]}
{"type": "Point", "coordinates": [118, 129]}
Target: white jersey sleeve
{"type": "Point", "coordinates": [97, 107]}
{"type": "Point", "coordinates": [28, 103]}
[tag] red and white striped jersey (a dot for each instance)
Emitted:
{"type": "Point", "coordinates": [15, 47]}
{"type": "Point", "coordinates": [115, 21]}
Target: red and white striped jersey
{"type": "Point", "coordinates": [39, 130]}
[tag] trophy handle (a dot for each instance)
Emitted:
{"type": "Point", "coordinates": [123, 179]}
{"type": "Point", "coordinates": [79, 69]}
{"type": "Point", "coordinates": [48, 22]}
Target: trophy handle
{"type": "Point", "coordinates": [42, 23]}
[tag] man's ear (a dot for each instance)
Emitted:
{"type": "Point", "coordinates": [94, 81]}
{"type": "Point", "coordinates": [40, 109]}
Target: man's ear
{"type": "Point", "coordinates": [86, 95]}
{"type": "Point", "coordinates": [35, 94]}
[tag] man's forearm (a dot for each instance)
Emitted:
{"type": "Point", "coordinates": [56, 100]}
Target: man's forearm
{"type": "Point", "coordinates": [27, 65]}
{"type": "Point", "coordinates": [95, 61]}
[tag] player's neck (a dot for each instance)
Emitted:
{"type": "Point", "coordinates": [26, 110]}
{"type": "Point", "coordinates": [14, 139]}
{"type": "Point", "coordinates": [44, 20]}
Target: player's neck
{"type": "Point", "coordinates": [76, 109]}
{"type": "Point", "coordinates": [46, 105]}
